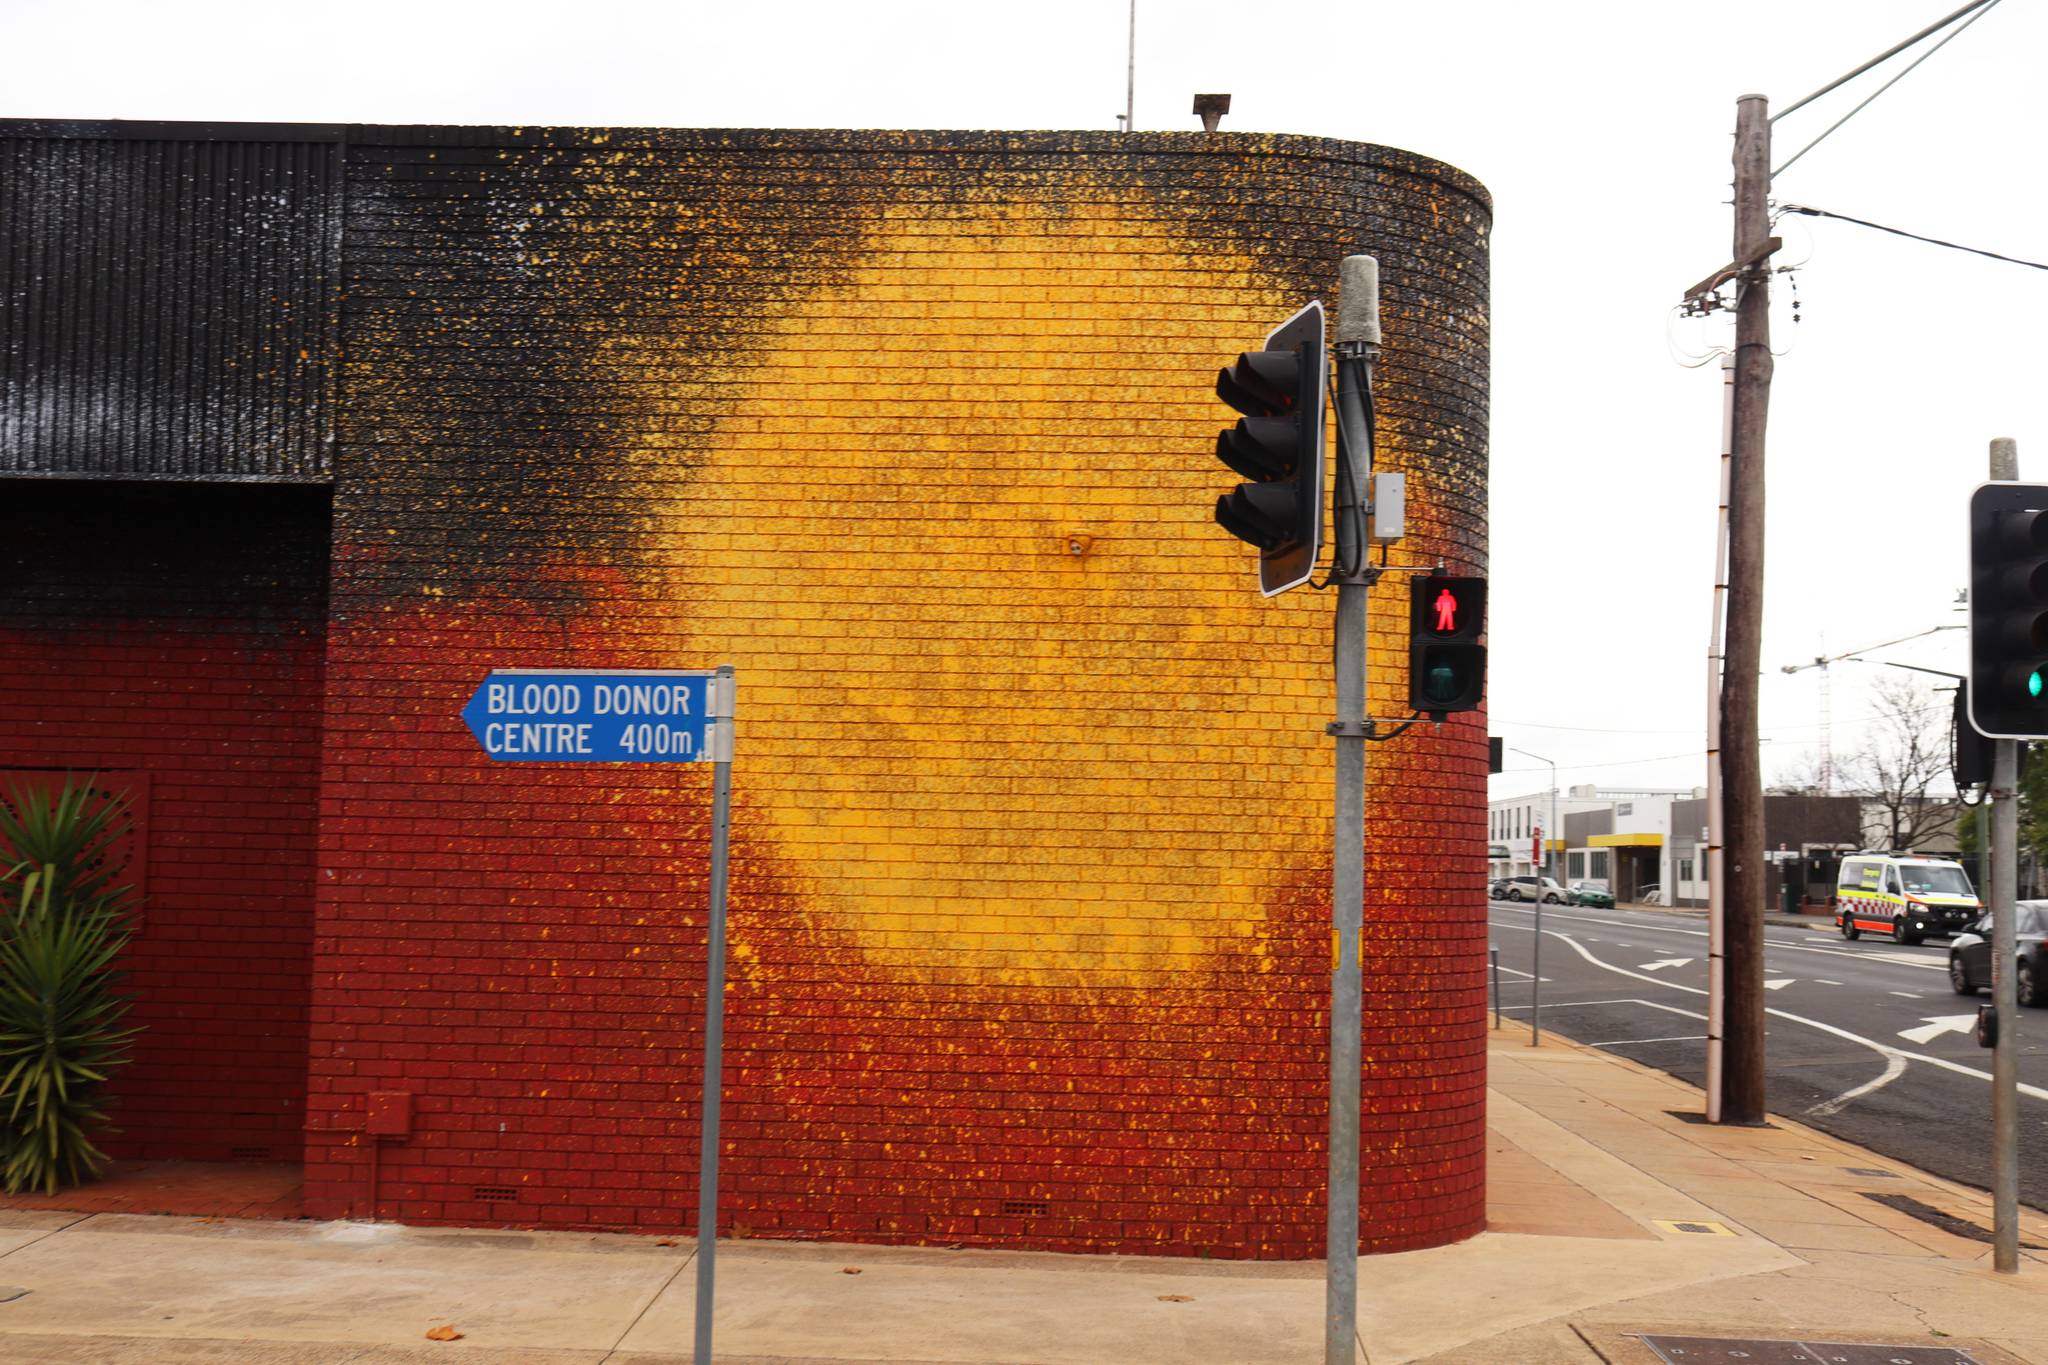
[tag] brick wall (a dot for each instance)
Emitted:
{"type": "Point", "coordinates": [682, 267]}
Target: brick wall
{"type": "Point", "coordinates": [1030, 878]}
{"type": "Point", "coordinates": [170, 639]}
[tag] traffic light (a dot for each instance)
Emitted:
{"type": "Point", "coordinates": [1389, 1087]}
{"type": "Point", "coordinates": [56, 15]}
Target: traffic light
{"type": "Point", "coordinates": [1278, 446]}
{"type": "Point", "coordinates": [1446, 662]}
{"type": "Point", "coordinates": [2008, 688]}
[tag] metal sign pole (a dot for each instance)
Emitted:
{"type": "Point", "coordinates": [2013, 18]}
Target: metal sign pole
{"type": "Point", "coordinates": [2003, 865]}
{"type": "Point", "coordinates": [638, 715]}
{"type": "Point", "coordinates": [1358, 340]}
{"type": "Point", "coordinates": [2005, 1174]}
{"type": "Point", "coordinates": [1536, 957]}
{"type": "Point", "coordinates": [721, 711]}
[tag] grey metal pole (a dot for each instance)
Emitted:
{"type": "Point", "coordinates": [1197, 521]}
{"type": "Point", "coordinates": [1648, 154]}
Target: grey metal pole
{"type": "Point", "coordinates": [2004, 879]}
{"type": "Point", "coordinates": [1536, 948]}
{"type": "Point", "coordinates": [1717, 888]}
{"type": "Point", "coordinates": [2005, 1174]}
{"type": "Point", "coordinates": [1131, 75]}
{"type": "Point", "coordinates": [714, 1013]}
{"type": "Point", "coordinates": [1493, 951]}
{"type": "Point", "coordinates": [1358, 337]}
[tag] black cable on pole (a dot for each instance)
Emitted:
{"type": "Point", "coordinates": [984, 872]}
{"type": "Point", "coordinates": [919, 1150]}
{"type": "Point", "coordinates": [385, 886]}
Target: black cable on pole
{"type": "Point", "coordinates": [1901, 232]}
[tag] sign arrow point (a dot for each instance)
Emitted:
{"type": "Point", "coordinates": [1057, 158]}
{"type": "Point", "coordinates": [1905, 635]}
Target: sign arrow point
{"type": "Point", "coordinates": [1934, 1026]}
{"type": "Point", "coordinates": [1779, 983]}
{"type": "Point", "coordinates": [1666, 962]}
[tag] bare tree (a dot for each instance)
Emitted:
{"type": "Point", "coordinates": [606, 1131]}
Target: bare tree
{"type": "Point", "coordinates": [1902, 768]}
{"type": "Point", "coordinates": [1801, 775]}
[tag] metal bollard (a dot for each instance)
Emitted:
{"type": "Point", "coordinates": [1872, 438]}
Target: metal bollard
{"type": "Point", "coordinates": [1494, 950]}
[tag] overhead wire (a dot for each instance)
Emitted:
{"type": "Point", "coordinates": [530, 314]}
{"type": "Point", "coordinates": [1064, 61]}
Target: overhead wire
{"type": "Point", "coordinates": [1883, 56]}
{"type": "Point", "coordinates": [1983, 7]}
{"type": "Point", "coordinates": [1679, 356]}
{"type": "Point", "coordinates": [1811, 212]}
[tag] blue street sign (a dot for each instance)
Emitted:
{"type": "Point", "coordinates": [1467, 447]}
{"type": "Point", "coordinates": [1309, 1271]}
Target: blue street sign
{"type": "Point", "coordinates": [569, 715]}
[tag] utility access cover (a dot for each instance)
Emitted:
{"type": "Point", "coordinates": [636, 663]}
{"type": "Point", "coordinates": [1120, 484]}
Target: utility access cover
{"type": "Point", "coordinates": [1752, 1351]}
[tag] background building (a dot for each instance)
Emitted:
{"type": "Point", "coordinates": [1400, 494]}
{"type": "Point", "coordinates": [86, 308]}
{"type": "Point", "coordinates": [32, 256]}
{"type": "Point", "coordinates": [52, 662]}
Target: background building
{"type": "Point", "coordinates": [303, 430]}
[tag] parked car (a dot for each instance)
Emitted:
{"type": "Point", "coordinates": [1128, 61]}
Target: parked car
{"type": "Point", "coordinates": [1544, 889]}
{"type": "Point", "coordinates": [1969, 954]}
{"type": "Point", "coordinates": [1591, 893]}
{"type": "Point", "coordinates": [1650, 895]}
{"type": "Point", "coordinates": [1497, 889]}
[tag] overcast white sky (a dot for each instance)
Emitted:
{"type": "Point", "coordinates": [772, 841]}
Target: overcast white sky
{"type": "Point", "coordinates": [1602, 130]}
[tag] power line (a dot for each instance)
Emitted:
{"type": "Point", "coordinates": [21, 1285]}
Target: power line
{"type": "Point", "coordinates": [1901, 232]}
{"type": "Point", "coordinates": [1989, 5]}
{"type": "Point", "coordinates": [1883, 56]}
{"type": "Point", "coordinates": [1615, 763]}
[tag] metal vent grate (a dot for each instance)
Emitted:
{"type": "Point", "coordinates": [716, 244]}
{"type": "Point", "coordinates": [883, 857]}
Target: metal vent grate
{"type": "Point", "coordinates": [496, 1194]}
{"type": "Point", "coordinates": [1024, 1208]}
{"type": "Point", "coordinates": [249, 1154]}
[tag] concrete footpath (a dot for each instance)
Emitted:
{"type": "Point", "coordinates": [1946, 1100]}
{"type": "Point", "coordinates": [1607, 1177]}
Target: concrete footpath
{"type": "Point", "coordinates": [1611, 1217]}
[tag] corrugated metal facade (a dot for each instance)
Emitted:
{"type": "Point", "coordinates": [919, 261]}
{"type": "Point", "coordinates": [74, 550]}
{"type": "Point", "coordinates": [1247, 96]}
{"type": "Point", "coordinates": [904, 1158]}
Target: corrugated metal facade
{"type": "Point", "coordinates": [169, 301]}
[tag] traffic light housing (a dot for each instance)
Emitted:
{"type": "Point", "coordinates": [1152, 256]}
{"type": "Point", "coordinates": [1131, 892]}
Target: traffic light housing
{"type": "Point", "coordinates": [2008, 686]}
{"type": "Point", "coordinates": [1278, 447]}
{"type": "Point", "coordinates": [1446, 662]}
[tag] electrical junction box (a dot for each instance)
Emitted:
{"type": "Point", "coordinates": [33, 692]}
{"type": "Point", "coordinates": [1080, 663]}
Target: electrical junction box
{"type": "Point", "coordinates": [1389, 507]}
{"type": "Point", "coordinates": [388, 1113]}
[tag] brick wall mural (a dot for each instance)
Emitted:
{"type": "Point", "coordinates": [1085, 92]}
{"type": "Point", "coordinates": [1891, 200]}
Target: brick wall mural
{"type": "Point", "coordinates": [1030, 880]}
{"type": "Point", "coordinates": [170, 639]}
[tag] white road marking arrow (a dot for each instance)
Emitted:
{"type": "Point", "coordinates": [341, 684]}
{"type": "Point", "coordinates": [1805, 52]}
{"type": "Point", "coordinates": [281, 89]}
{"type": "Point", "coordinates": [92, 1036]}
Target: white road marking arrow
{"type": "Point", "coordinates": [1935, 1027]}
{"type": "Point", "coordinates": [1667, 962]}
{"type": "Point", "coordinates": [1779, 983]}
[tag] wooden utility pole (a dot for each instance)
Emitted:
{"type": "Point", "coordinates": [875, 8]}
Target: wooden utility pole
{"type": "Point", "coordinates": [1742, 1097]}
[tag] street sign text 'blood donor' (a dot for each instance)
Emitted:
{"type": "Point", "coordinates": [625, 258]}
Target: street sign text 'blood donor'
{"type": "Point", "coordinates": [569, 715]}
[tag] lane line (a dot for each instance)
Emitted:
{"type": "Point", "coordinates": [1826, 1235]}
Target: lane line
{"type": "Point", "coordinates": [1675, 1038]}
{"type": "Point", "coordinates": [1647, 1004]}
{"type": "Point", "coordinates": [1894, 1067]}
{"type": "Point", "coordinates": [2034, 1091]}
{"type": "Point", "coordinates": [1893, 958]}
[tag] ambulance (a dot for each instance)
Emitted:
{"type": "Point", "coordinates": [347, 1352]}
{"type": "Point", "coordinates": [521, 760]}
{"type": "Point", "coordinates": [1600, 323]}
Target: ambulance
{"type": "Point", "coordinates": [1905, 896]}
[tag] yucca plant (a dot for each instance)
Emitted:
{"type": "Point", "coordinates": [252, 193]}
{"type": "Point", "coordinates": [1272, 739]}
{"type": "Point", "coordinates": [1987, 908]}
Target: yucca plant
{"type": "Point", "coordinates": [61, 1030]}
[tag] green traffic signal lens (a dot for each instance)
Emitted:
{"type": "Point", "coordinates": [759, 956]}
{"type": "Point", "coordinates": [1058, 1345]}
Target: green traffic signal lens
{"type": "Point", "coordinates": [2034, 684]}
{"type": "Point", "coordinates": [1442, 683]}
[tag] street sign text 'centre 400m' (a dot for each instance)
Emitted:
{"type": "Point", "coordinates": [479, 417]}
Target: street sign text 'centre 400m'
{"type": "Point", "coordinates": [592, 716]}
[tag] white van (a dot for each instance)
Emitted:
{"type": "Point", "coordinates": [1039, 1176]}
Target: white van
{"type": "Point", "coordinates": [1904, 896]}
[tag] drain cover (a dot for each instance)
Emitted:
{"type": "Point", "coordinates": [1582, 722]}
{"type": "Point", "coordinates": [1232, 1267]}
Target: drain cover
{"type": "Point", "coordinates": [1693, 1225]}
{"type": "Point", "coordinates": [1756, 1351]}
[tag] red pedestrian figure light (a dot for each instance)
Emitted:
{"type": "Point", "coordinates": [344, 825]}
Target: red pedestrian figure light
{"type": "Point", "coordinates": [1446, 611]}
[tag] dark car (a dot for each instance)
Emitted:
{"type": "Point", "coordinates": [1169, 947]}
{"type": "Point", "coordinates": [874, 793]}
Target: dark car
{"type": "Point", "coordinates": [1969, 954]}
{"type": "Point", "coordinates": [1591, 893]}
{"type": "Point", "coordinates": [1497, 889]}
{"type": "Point", "coordinates": [1535, 888]}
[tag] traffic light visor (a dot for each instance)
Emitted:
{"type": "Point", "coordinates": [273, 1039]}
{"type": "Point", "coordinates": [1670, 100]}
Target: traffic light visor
{"type": "Point", "coordinates": [1261, 383]}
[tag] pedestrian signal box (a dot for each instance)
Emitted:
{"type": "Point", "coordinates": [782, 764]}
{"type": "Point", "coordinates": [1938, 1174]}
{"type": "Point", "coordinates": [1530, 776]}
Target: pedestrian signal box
{"type": "Point", "coordinates": [1446, 661]}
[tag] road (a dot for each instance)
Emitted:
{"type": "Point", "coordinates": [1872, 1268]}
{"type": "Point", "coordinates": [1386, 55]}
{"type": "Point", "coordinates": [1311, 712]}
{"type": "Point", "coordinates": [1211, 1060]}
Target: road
{"type": "Point", "coordinates": [1865, 1040]}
